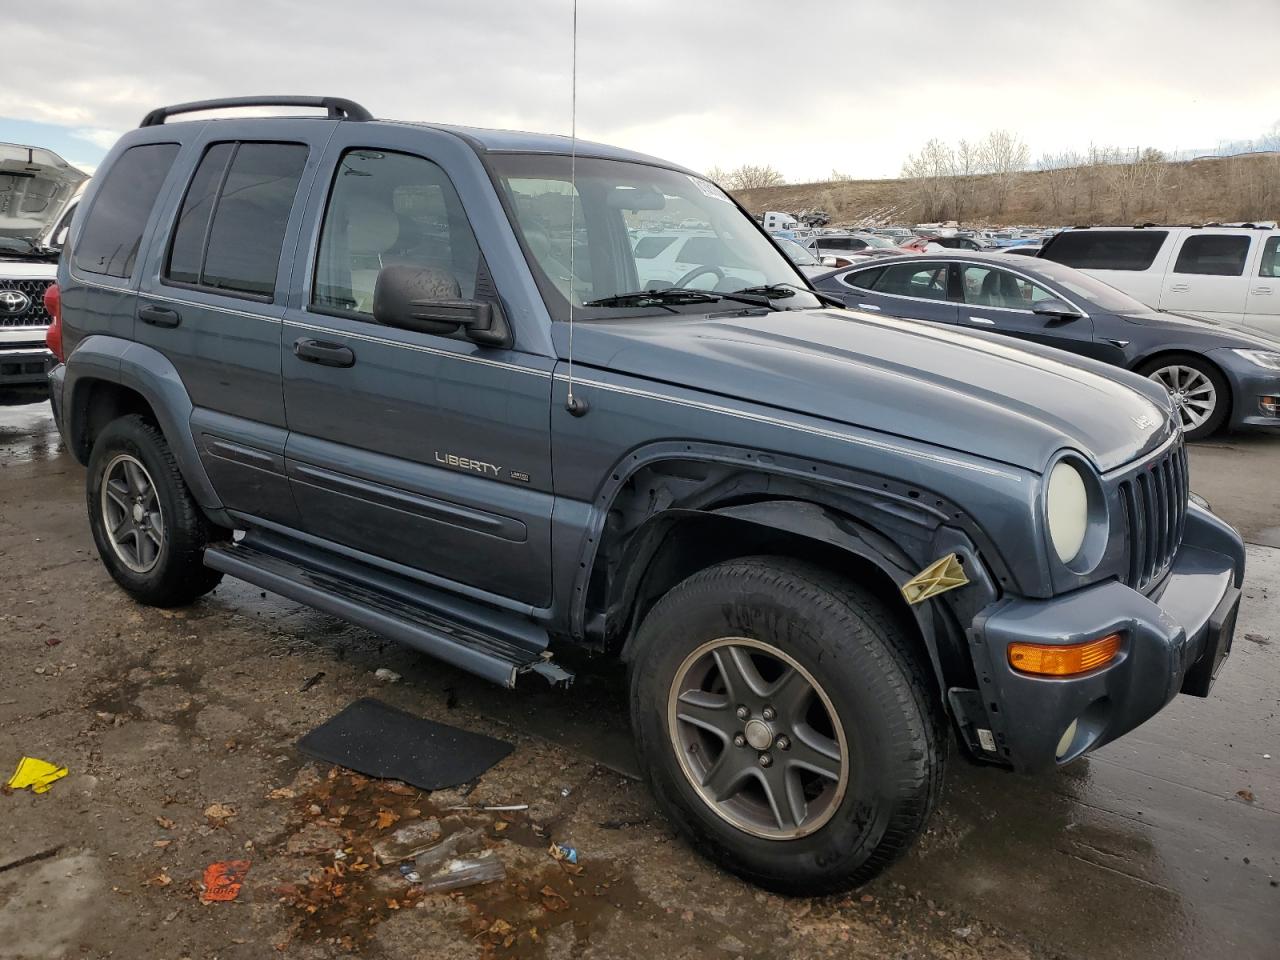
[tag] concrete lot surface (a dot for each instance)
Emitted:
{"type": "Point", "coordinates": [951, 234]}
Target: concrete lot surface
{"type": "Point", "coordinates": [178, 729]}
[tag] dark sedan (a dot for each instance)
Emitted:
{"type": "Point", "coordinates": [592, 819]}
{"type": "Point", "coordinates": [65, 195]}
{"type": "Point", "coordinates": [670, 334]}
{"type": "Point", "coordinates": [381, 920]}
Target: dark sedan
{"type": "Point", "coordinates": [1216, 375]}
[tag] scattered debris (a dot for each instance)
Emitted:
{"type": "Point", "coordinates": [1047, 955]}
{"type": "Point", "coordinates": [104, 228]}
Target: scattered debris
{"type": "Point", "coordinates": [1245, 795]}
{"type": "Point", "coordinates": [33, 858]}
{"type": "Point", "coordinates": [37, 774]}
{"type": "Point", "coordinates": [311, 681]}
{"type": "Point", "coordinates": [566, 791]}
{"type": "Point", "coordinates": [161, 879]}
{"type": "Point", "coordinates": [219, 813]}
{"type": "Point", "coordinates": [385, 818]}
{"type": "Point", "coordinates": [386, 676]}
{"type": "Point", "coordinates": [456, 874]}
{"type": "Point", "coordinates": [222, 880]}
{"type": "Point", "coordinates": [502, 808]}
{"type": "Point", "coordinates": [1258, 639]}
{"type": "Point", "coordinates": [165, 823]}
{"type": "Point", "coordinates": [563, 853]}
{"type": "Point", "coordinates": [430, 859]}
{"type": "Point", "coordinates": [409, 841]}
{"type": "Point", "coordinates": [281, 793]}
{"type": "Point", "coordinates": [52, 642]}
{"type": "Point", "coordinates": [410, 874]}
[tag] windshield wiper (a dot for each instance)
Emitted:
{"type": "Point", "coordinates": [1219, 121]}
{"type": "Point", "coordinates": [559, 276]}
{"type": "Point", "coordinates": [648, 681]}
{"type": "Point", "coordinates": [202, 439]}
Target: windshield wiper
{"type": "Point", "coordinates": [780, 291]}
{"type": "Point", "coordinates": [664, 297]}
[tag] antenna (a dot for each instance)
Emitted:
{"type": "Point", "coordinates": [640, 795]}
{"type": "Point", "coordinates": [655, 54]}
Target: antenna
{"type": "Point", "coordinates": [575, 405]}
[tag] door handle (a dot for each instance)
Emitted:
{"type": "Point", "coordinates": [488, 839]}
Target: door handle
{"type": "Point", "coordinates": [159, 316]}
{"type": "Point", "coordinates": [1179, 287]}
{"type": "Point", "coordinates": [1261, 291]}
{"type": "Point", "coordinates": [324, 353]}
{"type": "Point", "coordinates": [982, 320]}
{"type": "Point", "coordinates": [869, 306]}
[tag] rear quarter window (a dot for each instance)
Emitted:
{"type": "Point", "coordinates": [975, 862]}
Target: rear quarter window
{"type": "Point", "coordinates": [1106, 249]}
{"type": "Point", "coordinates": [863, 279]}
{"type": "Point", "coordinates": [1213, 254]}
{"type": "Point", "coordinates": [112, 234]}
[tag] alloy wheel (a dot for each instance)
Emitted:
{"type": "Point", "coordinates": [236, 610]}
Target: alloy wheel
{"type": "Point", "coordinates": [131, 513]}
{"type": "Point", "coordinates": [758, 738]}
{"type": "Point", "coordinates": [1193, 393]}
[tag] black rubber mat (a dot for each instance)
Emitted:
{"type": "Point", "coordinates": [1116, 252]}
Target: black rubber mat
{"type": "Point", "coordinates": [379, 740]}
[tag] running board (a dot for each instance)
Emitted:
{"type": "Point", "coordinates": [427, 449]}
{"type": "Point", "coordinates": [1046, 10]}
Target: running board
{"type": "Point", "coordinates": [492, 644]}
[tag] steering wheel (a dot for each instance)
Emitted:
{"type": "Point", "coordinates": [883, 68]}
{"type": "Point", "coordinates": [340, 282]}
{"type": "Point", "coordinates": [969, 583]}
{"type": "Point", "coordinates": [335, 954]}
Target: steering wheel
{"type": "Point", "coordinates": [699, 271]}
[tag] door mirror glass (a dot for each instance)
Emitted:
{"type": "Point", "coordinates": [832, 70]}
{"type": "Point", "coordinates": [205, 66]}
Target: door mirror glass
{"type": "Point", "coordinates": [1056, 309]}
{"type": "Point", "coordinates": [830, 262]}
{"type": "Point", "coordinates": [427, 299]}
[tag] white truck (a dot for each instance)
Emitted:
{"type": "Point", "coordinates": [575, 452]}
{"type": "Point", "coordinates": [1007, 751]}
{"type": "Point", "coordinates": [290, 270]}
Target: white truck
{"type": "Point", "coordinates": [39, 192]}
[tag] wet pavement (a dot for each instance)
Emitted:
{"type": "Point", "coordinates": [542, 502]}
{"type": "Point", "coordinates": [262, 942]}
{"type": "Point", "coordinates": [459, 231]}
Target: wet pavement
{"type": "Point", "coordinates": [1165, 844]}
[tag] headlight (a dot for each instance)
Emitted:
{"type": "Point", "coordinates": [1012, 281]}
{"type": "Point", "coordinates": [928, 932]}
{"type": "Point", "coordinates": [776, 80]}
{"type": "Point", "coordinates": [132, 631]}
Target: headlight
{"type": "Point", "coordinates": [1067, 510]}
{"type": "Point", "coordinates": [1263, 358]}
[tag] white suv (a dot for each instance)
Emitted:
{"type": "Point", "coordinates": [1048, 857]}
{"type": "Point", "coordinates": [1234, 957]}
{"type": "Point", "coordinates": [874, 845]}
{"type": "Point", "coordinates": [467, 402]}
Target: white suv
{"type": "Point", "coordinates": [1228, 274]}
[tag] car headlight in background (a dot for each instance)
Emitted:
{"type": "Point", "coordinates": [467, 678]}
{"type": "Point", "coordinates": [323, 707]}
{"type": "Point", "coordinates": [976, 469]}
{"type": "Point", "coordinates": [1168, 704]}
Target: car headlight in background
{"type": "Point", "coordinates": [1067, 510]}
{"type": "Point", "coordinates": [1263, 358]}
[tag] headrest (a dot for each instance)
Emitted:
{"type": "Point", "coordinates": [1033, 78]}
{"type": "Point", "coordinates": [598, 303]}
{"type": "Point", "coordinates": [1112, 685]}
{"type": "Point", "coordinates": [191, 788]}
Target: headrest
{"type": "Point", "coordinates": [372, 227]}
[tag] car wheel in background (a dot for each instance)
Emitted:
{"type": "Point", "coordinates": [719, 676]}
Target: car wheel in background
{"type": "Point", "coordinates": [785, 724]}
{"type": "Point", "coordinates": [1199, 391]}
{"type": "Point", "coordinates": [149, 531]}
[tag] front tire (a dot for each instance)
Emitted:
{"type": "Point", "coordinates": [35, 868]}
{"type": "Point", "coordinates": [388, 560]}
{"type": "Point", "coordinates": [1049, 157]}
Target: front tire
{"type": "Point", "coordinates": [785, 724]}
{"type": "Point", "coordinates": [147, 527]}
{"type": "Point", "coordinates": [1200, 393]}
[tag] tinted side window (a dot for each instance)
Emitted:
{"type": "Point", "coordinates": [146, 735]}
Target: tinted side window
{"type": "Point", "coordinates": [985, 287]}
{"type": "Point", "coordinates": [863, 279]}
{"type": "Point", "coordinates": [112, 234]}
{"type": "Point", "coordinates": [1215, 254]}
{"type": "Point", "coordinates": [186, 253]}
{"type": "Point", "coordinates": [390, 208]}
{"type": "Point", "coordinates": [927, 281]}
{"type": "Point", "coordinates": [1270, 265]}
{"type": "Point", "coordinates": [1106, 249]}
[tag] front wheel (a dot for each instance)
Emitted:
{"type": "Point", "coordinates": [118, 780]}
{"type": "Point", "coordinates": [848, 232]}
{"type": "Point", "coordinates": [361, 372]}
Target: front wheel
{"type": "Point", "coordinates": [1200, 394]}
{"type": "Point", "coordinates": [785, 724]}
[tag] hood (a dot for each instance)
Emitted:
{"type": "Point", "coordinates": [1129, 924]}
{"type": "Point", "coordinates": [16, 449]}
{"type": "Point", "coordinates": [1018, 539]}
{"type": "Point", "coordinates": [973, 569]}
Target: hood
{"type": "Point", "coordinates": [1213, 333]}
{"type": "Point", "coordinates": [978, 395]}
{"type": "Point", "coordinates": [35, 186]}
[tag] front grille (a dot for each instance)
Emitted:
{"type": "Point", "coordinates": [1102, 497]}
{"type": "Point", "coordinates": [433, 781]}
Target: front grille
{"type": "Point", "coordinates": [1155, 506]}
{"type": "Point", "coordinates": [35, 315]}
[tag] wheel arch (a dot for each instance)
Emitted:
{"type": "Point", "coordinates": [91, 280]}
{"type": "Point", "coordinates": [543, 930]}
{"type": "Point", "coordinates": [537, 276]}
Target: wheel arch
{"type": "Point", "coordinates": [1168, 353]}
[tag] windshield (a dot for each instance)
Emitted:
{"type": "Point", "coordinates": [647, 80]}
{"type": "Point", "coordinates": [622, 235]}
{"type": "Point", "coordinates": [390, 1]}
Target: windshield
{"type": "Point", "coordinates": [874, 241]}
{"type": "Point", "coordinates": [798, 254]}
{"type": "Point", "coordinates": [621, 228]}
{"type": "Point", "coordinates": [1103, 294]}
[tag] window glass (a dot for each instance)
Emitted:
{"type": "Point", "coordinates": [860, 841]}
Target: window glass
{"type": "Point", "coordinates": [186, 253]}
{"type": "Point", "coordinates": [1105, 249]}
{"type": "Point", "coordinates": [649, 247]}
{"type": "Point", "coordinates": [252, 211]}
{"type": "Point", "coordinates": [1270, 265]}
{"type": "Point", "coordinates": [986, 287]}
{"type": "Point", "coordinates": [928, 281]}
{"type": "Point", "coordinates": [390, 209]}
{"type": "Point", "coordinates": [863, 279]}
{"type": "Point", "coordinates": [112, 234]}
{"type": "Point", "coordinates": [708, 250]}
{"type": "Point", "coordinates": [1215, 254]}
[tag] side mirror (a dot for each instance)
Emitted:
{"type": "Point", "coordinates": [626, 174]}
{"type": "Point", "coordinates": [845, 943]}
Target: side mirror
{"type": "Point", "coordinates": [830, 262]}
{"type": "Point", "coordinates": [1055, 309]}
{"type": "Point", "coordinates": [427, 299]}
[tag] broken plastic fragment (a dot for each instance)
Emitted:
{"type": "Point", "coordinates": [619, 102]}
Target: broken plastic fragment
{"type": "Point", "coordinates": [39, 775]}
{"type": "Point", "coordinates": [938, 577]}
{"type": "Point", "coordinates": [455, 874]}
{"type": "Point", "coordinates": [222, 880]}
{"type": "Point", "coordinates": [564, 852]}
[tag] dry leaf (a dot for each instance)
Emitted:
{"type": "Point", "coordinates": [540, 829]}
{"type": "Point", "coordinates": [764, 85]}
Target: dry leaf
{"type": "Point", "coordinates": [386, 818]}
{"type": "Point", "coordinates": [219, 813]}
{"type": "Point", "coordinates": [501, 825]}
{"type": "Point", "coordinates": [393, 904]}
{"type": "Point", "coordinates": [1245, 795]}
{"type": "Point", "coordinates": [161, 879]}
{"type": "Point", "coordinates": [165, 823]}
{"type": "Point", "coordinates": [161, 843]}
{"type": "Point", "coordinates": [281, 793]}
{"type": "Point", "coordinates": [500, 927]}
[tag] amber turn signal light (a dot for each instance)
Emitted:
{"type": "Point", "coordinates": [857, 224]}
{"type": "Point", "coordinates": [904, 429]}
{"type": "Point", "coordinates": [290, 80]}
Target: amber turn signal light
{"type": "Point", "coordinates": [1051, 660]}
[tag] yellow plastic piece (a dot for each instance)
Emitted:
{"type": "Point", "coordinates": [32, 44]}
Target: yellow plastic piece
{"type": "Point", "coordinates": [39, 775]}
{"type": "Point", "coordinates": [938, 577]}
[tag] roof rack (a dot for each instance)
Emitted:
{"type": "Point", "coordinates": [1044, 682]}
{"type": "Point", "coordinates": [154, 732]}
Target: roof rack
{"type": "Point", "coordinates": [338, 108]}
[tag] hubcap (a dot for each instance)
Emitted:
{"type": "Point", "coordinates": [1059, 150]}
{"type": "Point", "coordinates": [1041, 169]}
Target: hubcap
{"type": "Point", "coordinates": [1193, 393]}
{"type": "Point", "coordinates": [131, 513]}
{"type": "Point", "coordinates": [731, 760]}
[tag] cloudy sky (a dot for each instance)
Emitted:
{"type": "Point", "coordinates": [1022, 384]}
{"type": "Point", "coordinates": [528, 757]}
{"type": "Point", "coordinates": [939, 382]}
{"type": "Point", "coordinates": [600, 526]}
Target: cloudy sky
{"type": "Point", "coordinates": [804, 85]}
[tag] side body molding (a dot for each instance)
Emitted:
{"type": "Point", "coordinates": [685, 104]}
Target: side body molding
{"type": "Point", "coordinates": [146, 371]}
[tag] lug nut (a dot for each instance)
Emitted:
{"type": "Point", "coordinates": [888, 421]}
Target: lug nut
{"type": "Point", "coordinates": [766, 760]}
{"type": "Point", "coordinates": [743, 713]}
{"type": "Point", "coordinates": [783, 743]}
{"type": "Point", "coordinates": [768, 713]}
{"type": "Point", "coordinates": [739, 740]}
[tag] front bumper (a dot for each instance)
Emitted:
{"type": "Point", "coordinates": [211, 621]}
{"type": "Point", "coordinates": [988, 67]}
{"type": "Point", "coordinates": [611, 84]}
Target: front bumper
{"type": "Point", "coordinates": [23, 366]}
{"type": "Point", "coordinates": [1175, 640]}
{"type": "Point", "coordinates": [1249, 384]}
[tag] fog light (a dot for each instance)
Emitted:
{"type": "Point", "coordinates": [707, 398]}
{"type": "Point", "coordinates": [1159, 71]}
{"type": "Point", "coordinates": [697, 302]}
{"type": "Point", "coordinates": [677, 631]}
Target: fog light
{"type": "Point", "coordinates": [1065, 660]}
{"type": "Point", "coordinates": [1068, 738]}
{"type": "Point", "coordinates": [1270, 406]}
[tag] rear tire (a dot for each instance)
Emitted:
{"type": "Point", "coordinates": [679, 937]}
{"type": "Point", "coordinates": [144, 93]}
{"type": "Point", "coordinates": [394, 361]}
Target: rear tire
{"type": "Point", "coordinates": [857, 761]}
{"type": "Point", "coordinates": [1200, 393]}
{"type": "Point", "coordinates": [148, 529]}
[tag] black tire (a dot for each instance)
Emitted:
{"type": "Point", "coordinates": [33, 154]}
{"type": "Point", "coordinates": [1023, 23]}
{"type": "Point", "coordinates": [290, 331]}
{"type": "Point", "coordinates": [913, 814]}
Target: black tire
{"type": "Point", "coordinates": [1222, 407]}
{"type": "Point", "coordinates": [179, 575]}
{"type": "Point", "coordinates": [870, 672]}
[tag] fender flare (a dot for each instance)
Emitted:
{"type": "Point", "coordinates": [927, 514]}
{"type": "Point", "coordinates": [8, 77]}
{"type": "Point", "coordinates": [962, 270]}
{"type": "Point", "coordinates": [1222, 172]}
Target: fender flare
{"type": "Point", "coordinates": [149, 373]}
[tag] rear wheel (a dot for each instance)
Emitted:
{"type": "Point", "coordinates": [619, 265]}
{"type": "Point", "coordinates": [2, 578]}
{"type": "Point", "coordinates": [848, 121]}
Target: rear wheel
{"type": "Point", "coordinates": [785, 724]}
{"type": "Point", "coordinates": [1200, 394]}
{"type": "Point", "coordinates": [149, 531]}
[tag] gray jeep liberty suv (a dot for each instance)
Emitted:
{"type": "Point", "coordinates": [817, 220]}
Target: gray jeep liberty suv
{"type": "Point", "coordinates": [416, 376]}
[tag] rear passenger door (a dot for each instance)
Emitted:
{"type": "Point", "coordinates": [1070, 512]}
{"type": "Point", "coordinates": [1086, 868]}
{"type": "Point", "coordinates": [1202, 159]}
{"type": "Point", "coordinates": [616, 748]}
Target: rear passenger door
{"type": "Point", "coordinates": [1208, 278]}
{"type": "Point", "coordinates": [210, 300]}
{"type": "Point", "coordinates": [915, 288]}
{"type": "Point", "coordinates": [1262, 309]}
{"type": "Point", "coordinates": [424, 450]}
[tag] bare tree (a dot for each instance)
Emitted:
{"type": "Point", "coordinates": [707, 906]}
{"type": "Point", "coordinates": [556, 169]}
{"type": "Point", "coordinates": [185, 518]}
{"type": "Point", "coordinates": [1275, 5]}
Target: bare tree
{"type": "Point", "coordinates": [751, 176]}
{"type": "Point", "coordinates": [1061, 175]}
{"type": "Point", "coordinates": [962, 180]}
{"type": "Point", "coordinates": [1002, 155]}
{"type": "Point", "coordinates": [718, 174]}
{"type": "Point", "coordinates": [931, 169]}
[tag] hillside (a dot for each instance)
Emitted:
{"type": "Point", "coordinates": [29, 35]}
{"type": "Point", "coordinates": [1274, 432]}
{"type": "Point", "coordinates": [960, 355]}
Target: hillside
{"type": "Point", "coordinates": [1237, 188]}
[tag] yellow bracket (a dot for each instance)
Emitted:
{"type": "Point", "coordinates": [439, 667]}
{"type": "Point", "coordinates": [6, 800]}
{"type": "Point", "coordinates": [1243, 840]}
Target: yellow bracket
{"type": "Point", "coordinates": [938, 577]}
